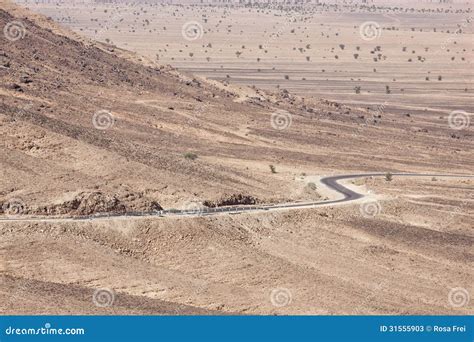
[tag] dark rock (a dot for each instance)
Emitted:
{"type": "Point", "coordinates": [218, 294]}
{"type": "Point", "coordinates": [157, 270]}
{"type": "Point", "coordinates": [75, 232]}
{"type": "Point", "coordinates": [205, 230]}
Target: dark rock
{"type": "Point", "coordinates": [235, 199]}
{"type": "Point", "coordinates": [26, 79]}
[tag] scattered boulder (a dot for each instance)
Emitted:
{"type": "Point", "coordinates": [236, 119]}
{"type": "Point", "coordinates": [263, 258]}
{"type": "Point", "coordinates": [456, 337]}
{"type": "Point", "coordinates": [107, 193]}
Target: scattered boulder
{"type": "Point", "coordinates": [16, 87]}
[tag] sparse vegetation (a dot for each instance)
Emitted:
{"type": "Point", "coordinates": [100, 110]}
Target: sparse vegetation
{"type": "Point", "coordinates": [190, 156]}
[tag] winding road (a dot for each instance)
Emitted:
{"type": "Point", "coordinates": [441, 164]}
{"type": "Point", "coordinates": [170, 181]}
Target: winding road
{"type": "Point", "coordinates": [331, 182]}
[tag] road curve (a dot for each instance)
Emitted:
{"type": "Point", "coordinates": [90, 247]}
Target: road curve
{"type": "Point", "coordinates": [332, 182]}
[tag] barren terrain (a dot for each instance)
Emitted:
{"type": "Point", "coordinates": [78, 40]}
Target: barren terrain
{"type": "Point", "coordinates": [88, 127]}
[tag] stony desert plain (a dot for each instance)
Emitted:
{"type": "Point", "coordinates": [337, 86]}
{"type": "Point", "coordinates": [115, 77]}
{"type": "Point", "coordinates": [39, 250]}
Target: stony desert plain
{"type": "Point", "coordinates": [113, 111]}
